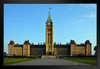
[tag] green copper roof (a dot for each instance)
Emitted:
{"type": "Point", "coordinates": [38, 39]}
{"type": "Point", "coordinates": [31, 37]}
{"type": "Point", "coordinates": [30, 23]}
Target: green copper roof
{"type": "Point", "coordinates": [49, 17]}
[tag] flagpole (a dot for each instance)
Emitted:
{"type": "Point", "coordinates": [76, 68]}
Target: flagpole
{"type": "Point", "coordinates": [49, 9]}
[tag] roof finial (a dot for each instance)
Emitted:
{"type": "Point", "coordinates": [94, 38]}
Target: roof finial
{"type": "Point", "coordinates": [49, 17]}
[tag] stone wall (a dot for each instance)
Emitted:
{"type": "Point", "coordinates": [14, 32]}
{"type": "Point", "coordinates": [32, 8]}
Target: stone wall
{"type": "Point", "coordinates": [26, 50]}
{"type": "Point", "coordinates": [62, 51]}
{"type": "Point", "coordinates": [11, 48]}
{"type": "Point", "coordinates": [18, 51]}
{"type": "Point", "coordinates": [37, 51]}
{"type": "Point", "coordinates": [80, 50]}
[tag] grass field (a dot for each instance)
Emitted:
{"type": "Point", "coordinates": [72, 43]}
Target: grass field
{"type": "Point", "coordinates": [86, 60]}
{"type": "Point", "coordinates": [16, 60]}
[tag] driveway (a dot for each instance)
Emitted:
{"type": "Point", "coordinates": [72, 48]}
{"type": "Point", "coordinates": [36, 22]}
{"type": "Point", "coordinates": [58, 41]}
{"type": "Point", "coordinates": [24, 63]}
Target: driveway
{"type": "Point", "coordinates": [49, 61]}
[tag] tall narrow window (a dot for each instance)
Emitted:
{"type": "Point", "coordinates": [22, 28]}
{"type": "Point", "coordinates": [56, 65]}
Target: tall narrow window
{"type": "Point", "coordinates": [48, 38]}
{"type": "Point", "coordinates": [51, 39]}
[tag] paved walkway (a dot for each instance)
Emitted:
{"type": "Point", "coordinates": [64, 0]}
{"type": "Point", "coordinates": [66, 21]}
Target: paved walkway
{"type": "Point", "coordinates": [49, 61]}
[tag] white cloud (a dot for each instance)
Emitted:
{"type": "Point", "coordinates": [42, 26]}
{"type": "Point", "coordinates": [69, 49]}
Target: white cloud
{"type": "Point", "coordinates": [83, 18]}
{"type": "Point", "coordinates": [92, 15]}
{"type": "Point", "coordinates": [88, 5]}
{"type": "Point", "coordinates": [77, 21]}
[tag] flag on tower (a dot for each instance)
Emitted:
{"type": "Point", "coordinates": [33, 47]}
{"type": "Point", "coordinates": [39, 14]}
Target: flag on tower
{"type": "Point", "coordinates": [50, 8]}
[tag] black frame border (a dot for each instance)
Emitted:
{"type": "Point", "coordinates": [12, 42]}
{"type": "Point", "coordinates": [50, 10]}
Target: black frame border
{"type": "Point", "coordinates": [47, 2]}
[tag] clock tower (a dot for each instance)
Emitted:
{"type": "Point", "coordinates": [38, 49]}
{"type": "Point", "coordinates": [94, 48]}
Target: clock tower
{"type": "Point", "coordinates": [49, 36]}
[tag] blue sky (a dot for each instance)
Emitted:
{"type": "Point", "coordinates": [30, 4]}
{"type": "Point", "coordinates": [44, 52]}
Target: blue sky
{"type": "Point", "coordinates": [76, 22]}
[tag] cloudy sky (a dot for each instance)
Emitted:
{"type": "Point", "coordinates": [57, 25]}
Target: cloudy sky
{"type": "Point", "coordinates": [76, 22]}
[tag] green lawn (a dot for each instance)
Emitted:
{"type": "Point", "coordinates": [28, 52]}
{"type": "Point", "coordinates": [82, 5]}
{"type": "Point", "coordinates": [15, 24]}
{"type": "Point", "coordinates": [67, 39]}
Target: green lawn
{"type": "Point", "coordinates": [86, 60]}
{"type": "Point", "coordinates": [16, 60]}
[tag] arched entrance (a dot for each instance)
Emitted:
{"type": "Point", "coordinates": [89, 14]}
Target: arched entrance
{"type": "Point", "coordinates": [49, 53]}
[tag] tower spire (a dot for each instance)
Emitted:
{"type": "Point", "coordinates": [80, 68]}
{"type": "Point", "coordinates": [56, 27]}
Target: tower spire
{"type": "Point", "coordinates": [49, 17]}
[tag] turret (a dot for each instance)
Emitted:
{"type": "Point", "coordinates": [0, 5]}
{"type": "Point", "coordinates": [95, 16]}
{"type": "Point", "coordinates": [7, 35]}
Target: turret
{"type": "Point", "coordinates": [26, 48]}
{"type": "Point", "coordinates": [72, 48]}
{"type": "Point", "coordinates": [11, 51]}
{"type": "Point", "coordinates": [88, 48]}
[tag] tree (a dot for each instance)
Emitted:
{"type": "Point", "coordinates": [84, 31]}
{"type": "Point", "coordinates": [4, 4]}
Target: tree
{"type": "Point", "coordinates": [44, 43]}
{"type": "Point", "coordinates": [32, 43]}
{"type": "Point", "coordinates": [82, 43]}
{"type": "Point", "coordinates": [54, 43]}
{"type": "Point", "coordinates": [17, 44]}
{"type": "Point", "coordinates": [67, 43]}
{"type": "Point", "coordinates": [95, 49]}
{"type": "Point", "coordinates": [5, 53]}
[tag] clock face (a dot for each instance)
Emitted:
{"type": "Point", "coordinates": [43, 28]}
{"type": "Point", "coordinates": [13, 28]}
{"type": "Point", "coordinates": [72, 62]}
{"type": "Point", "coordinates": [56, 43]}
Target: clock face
{"type": "Point", "coordinates": [48, 23]}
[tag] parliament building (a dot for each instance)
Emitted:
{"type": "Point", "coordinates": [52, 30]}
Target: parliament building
{"type": "Point", "coordinates": [70, 49]}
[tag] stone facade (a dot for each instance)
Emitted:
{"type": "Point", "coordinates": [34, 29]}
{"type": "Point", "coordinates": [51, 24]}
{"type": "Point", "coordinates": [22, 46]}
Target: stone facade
{"type": "Point", "coordinates": [84, 49]}
{"type": "Point", "coordinates": [18, 50]}
{"type": "Point", "coordinates": [11, 48]}
{"type": "Point", "coordinates": [63, 50]}
{"type": "Point", "coordinates": [37, 50]}
{"type": "Point", "coordinates": [71, 49]}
